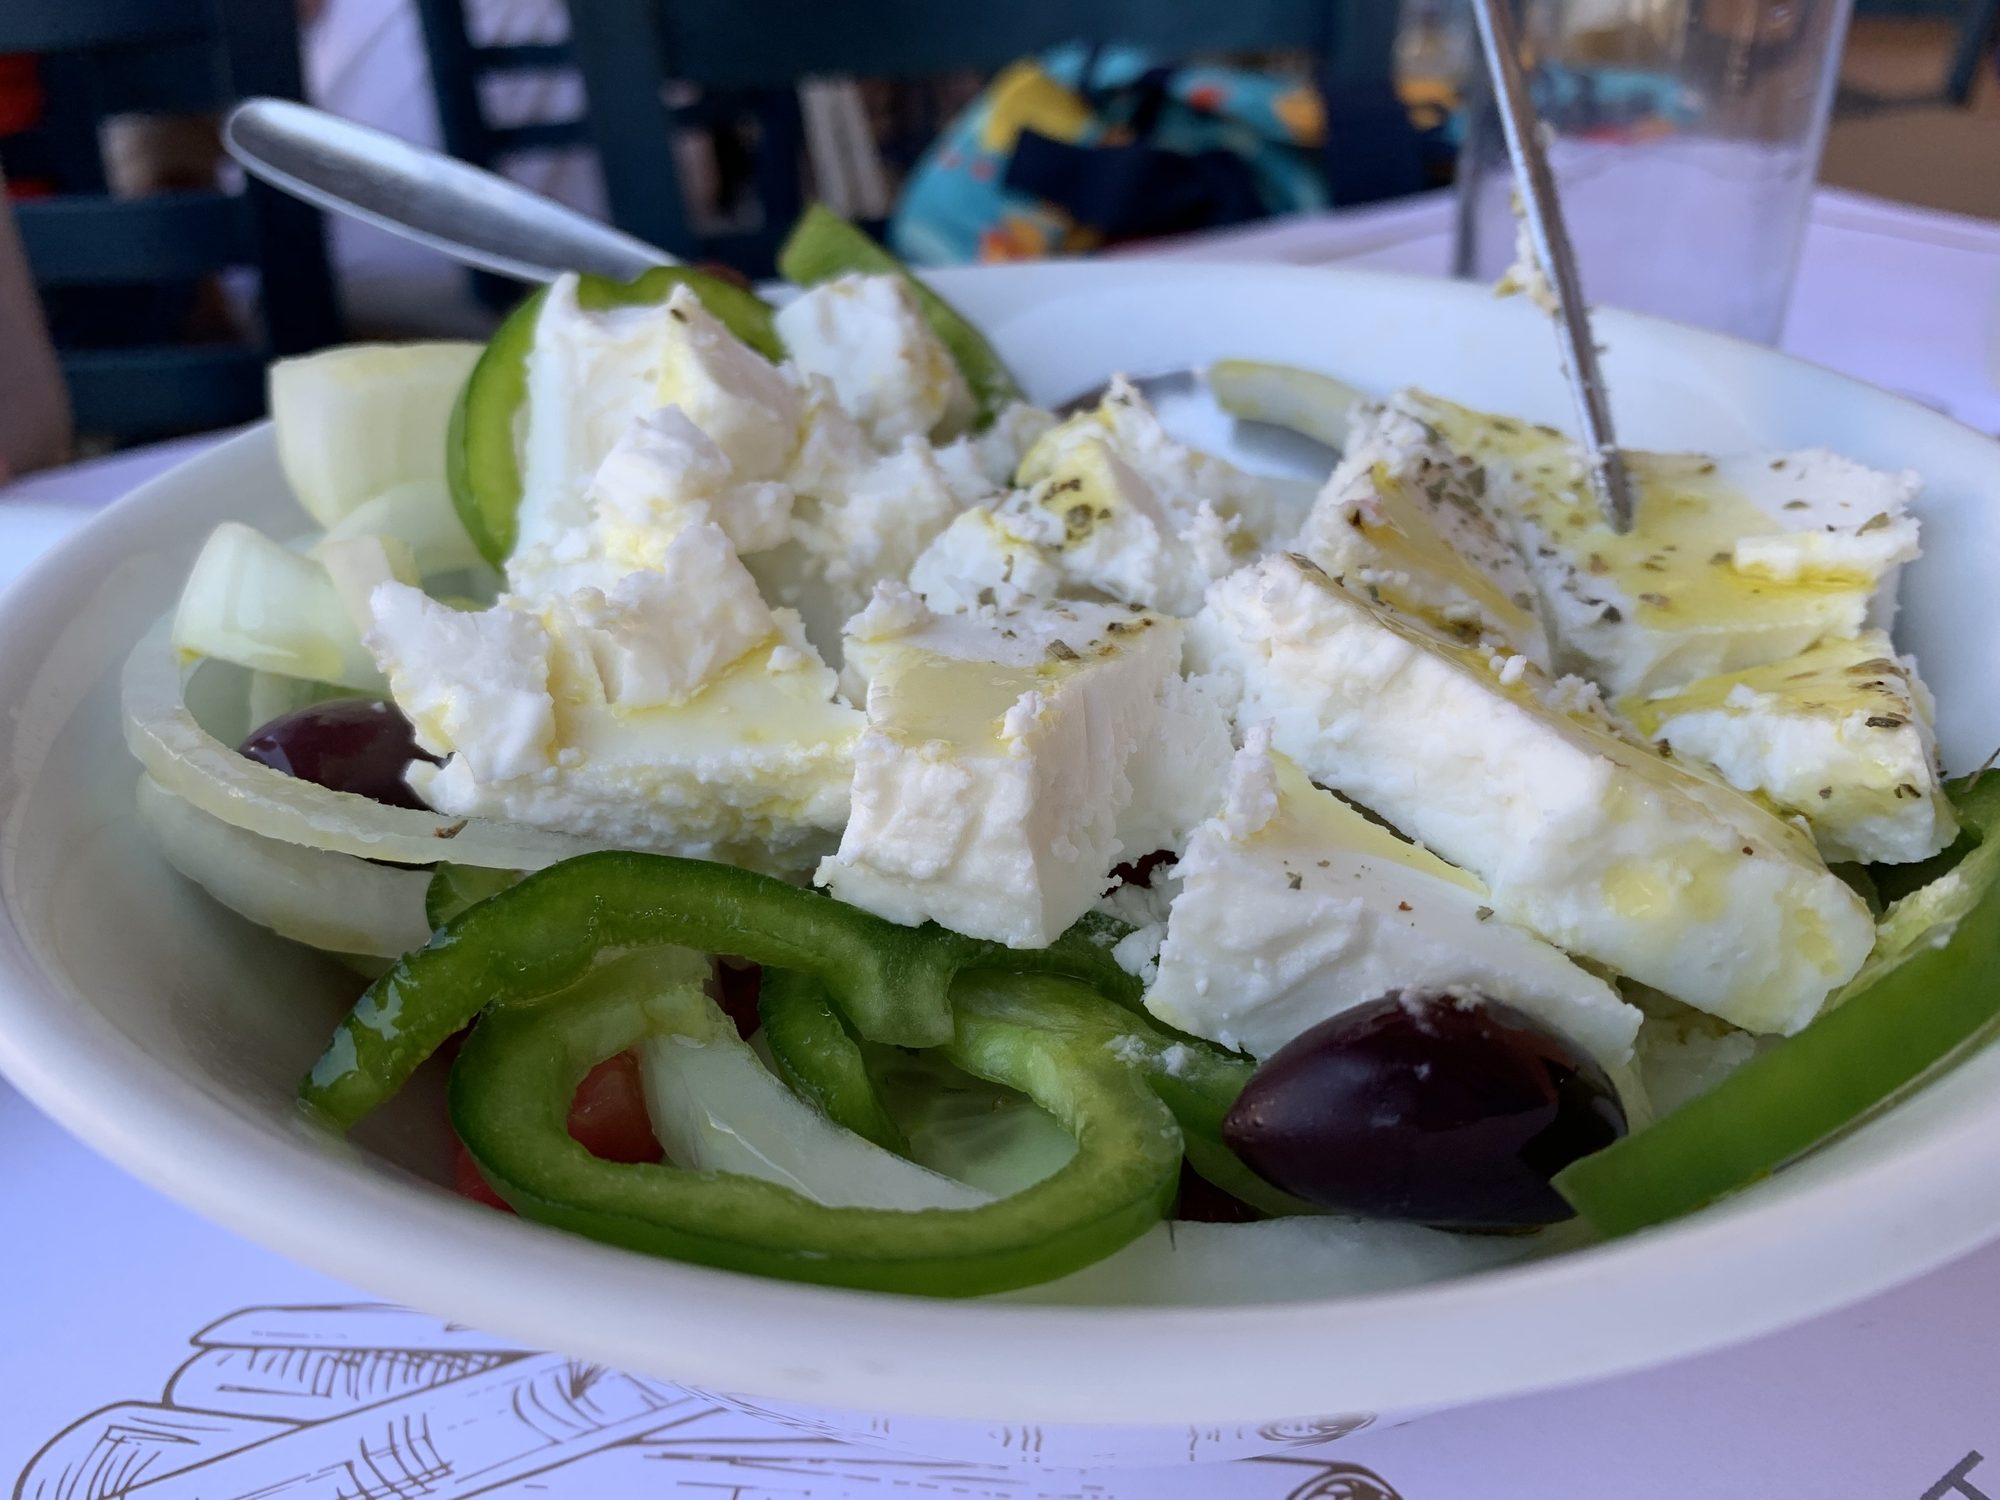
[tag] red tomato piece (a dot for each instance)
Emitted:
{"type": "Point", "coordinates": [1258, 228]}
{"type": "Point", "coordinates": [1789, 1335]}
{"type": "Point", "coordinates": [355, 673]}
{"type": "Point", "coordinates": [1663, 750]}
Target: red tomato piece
{"type": "Point", "coordinates": [607, 1118]}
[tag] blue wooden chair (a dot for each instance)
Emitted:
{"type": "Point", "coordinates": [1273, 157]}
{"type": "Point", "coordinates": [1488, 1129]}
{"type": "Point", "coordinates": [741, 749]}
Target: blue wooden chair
{"type": "Point", "coordinates": [1977, 42]}
{"type": "Point", "coordinates": [629, 49]}
{"type": "Point", "coordinates": [460, 68]}
{"type": "Point", "coordinates": [89, 250]}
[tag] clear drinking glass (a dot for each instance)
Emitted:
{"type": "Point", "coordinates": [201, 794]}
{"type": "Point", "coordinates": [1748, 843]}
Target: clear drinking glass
{"type": "Point", "coordinates": [1685, 136]}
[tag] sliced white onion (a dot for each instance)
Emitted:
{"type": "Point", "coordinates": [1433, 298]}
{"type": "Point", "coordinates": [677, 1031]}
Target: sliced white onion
{"type": "Point", "coordinates": [261, 605]}
{"type": "Point", "coordinates": [330, 901]}
{"type": "Point", "coordinates": [1276, 1260]}
{"type": "Point", "coordinates": [187, 761]}
{"type": "Point", "coordinates": [355, 420]}
{"type": "Point", "coordinates": [716, 1108]}
{"type": "Point", "coordinates": [1306, 401]}
{"type": "Point", "coordinates": [419, 514]}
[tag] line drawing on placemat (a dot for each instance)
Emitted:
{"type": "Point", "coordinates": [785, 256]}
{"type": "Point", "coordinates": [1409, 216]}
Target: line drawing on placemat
{"type": "Point", "coordinates": [367, 1401]}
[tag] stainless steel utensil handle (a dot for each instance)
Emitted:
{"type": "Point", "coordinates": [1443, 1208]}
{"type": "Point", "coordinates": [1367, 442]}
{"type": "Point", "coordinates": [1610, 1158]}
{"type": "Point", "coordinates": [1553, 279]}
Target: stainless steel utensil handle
{"type": "Point", "coordinates": [1550, 237]}
{"type": "Point", "coordinates": [472, 216]}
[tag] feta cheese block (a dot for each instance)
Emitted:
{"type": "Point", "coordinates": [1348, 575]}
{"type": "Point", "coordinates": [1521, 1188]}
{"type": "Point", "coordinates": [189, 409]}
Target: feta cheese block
{"type": "Point", "coordinates": [1178, 772]}
{"type": "Point", "coordinates": [1294, 907]}
{"type": "Point", "coordinates": [1839, 735]}
{"type": "Point", "coordinates": [866, 336]}
{"type": "Point", "coordinates": [595, 374]}
{"type": "Point", "coordinates": [1730, 562]}
{"type": "Point", "coordinates": [632, 718]}
{"type": "Point", "coordinates": [994, 770]}
{"type": "Point", "coordinates": [1601, 847]}
{"type": "Point", "coordinates": [1402, 519]}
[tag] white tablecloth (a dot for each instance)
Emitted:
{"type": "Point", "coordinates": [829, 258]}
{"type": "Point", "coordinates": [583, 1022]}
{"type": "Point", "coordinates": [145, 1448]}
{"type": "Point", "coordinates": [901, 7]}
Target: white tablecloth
{"type": "Point", "coordinates": [106, 1283]}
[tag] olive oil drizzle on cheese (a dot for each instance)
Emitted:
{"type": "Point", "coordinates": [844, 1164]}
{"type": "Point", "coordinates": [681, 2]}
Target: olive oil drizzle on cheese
{"type": "Point", "coordinates": [1674, 567]}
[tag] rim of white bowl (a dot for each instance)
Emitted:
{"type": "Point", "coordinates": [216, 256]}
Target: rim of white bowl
{"type": "Point", "coordinates": [1718, 1277]}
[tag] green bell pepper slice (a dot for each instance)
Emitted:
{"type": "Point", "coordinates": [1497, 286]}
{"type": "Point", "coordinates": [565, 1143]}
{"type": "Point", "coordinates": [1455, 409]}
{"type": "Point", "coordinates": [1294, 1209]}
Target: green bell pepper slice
{"type": "Point", "coordinates": [513, 1080]}
{"type": "Point", "coordinates": [482, 463]}
{"type": "Point", "coordinates": [455, 889]}
{"type": "Point", "coordinates": [1197, 1081]}
{"type": "Point", "coordinates": [891, 983]}
{"type": "Point", "coordinates": [823, 245]}
{"type": "Point", "coordinates": [819, 1059]}
{"type": "Point", "coordinates": [1930, 989]}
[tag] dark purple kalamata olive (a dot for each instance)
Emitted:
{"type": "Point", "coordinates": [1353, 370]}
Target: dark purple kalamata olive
{"type": "Point", "coordinates": [359, 745]}
{"type": "Point", "coordinates": [1445, 1109]}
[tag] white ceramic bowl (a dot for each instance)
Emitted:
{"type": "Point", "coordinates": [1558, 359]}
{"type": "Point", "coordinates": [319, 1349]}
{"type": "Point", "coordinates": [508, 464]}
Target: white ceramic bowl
{"type": "Point", "coordinates": [168, 1034]}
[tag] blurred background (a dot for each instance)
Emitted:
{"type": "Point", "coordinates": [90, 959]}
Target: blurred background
{"type": "Point", "coordinates": [963, 131]}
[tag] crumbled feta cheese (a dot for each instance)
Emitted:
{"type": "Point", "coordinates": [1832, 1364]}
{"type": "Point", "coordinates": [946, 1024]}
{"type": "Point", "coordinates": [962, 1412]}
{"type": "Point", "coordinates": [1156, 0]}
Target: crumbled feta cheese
{"type": "Point", "coordinates": [977, 560]}
{"type": "Point", "coordinates": [858, 527]}
{"type": "Point", "coordinates": [1143, 908]}
{"type": "Point", "coordinates": [1839, 735]}
{"type": "Point", "coordinates": [471, 684]}
{"type": "Point", "coordinates": [660, 636]}
{"type": "Point", "coordinates": [590, 375]}
{"type": "Point", "coordinates": [893, 610]}
{"type": "Point", "coordinates": [639, 420]}
{"type": "Point", "coordinates": [750, 408]}
{"type": "Point", "coordinates": [1294, 908]}
{"type": "Point", "coordinates": [996, 452]}
{"type": "Point", "coordinates": [1250, 800]}
{"type": "Point", "coordinates": [1600, 847]}
{"type": "Point", "coordinates": [663, 466]}
{"type": "Point", "coordinates": [1527, 277]}
{"type": "Point", "coordinates": [1681, 1054]}
{"type": "Point", "coordinates": [1111, 507]}
{"type": "Point", "coordinates": [1183, 480]}
{"type": "Point", "coordinates": [993, 773]}
{"type": "Point", "coordinates": [866, 335]}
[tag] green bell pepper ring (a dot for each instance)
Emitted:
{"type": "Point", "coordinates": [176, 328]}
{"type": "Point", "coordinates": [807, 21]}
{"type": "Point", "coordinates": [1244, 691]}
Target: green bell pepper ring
{"type": "Point", "coordinates": [1197, 1081]}
{"type": "Point", "coordinates": [822, 245]}
{"type": "Point", "coordinates": [455, 889]}
{"type": "Point", "coordinates": [1931, 987]}
{"type": "Point", "coordinates": [482, 461]}
{"type": "Point", "coordinates": [513, 1080]}
{"type": "Point", "coordinates": [891, 983]}
{"type": "Point", "coordinates": [819, 1060]}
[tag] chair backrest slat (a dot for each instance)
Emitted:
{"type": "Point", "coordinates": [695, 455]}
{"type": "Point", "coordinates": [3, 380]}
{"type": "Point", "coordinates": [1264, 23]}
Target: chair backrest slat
{"type": "Point", "coordinates": [177, 78]}
{"type": "Point", "coordinates": [90, 240]}
{"type": "Point", "coordinates": [98, 58]}
{"type": "Point", "coordinates": [523, 57]}
{"type": "Point", "coordinates": [537, 135]}
{"type": "Point", "coordinates": [86, 25]}
{"type": "Point", "coordinates": [159, 390]}
{"type": "Point", "coordinates": [752, 43]}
